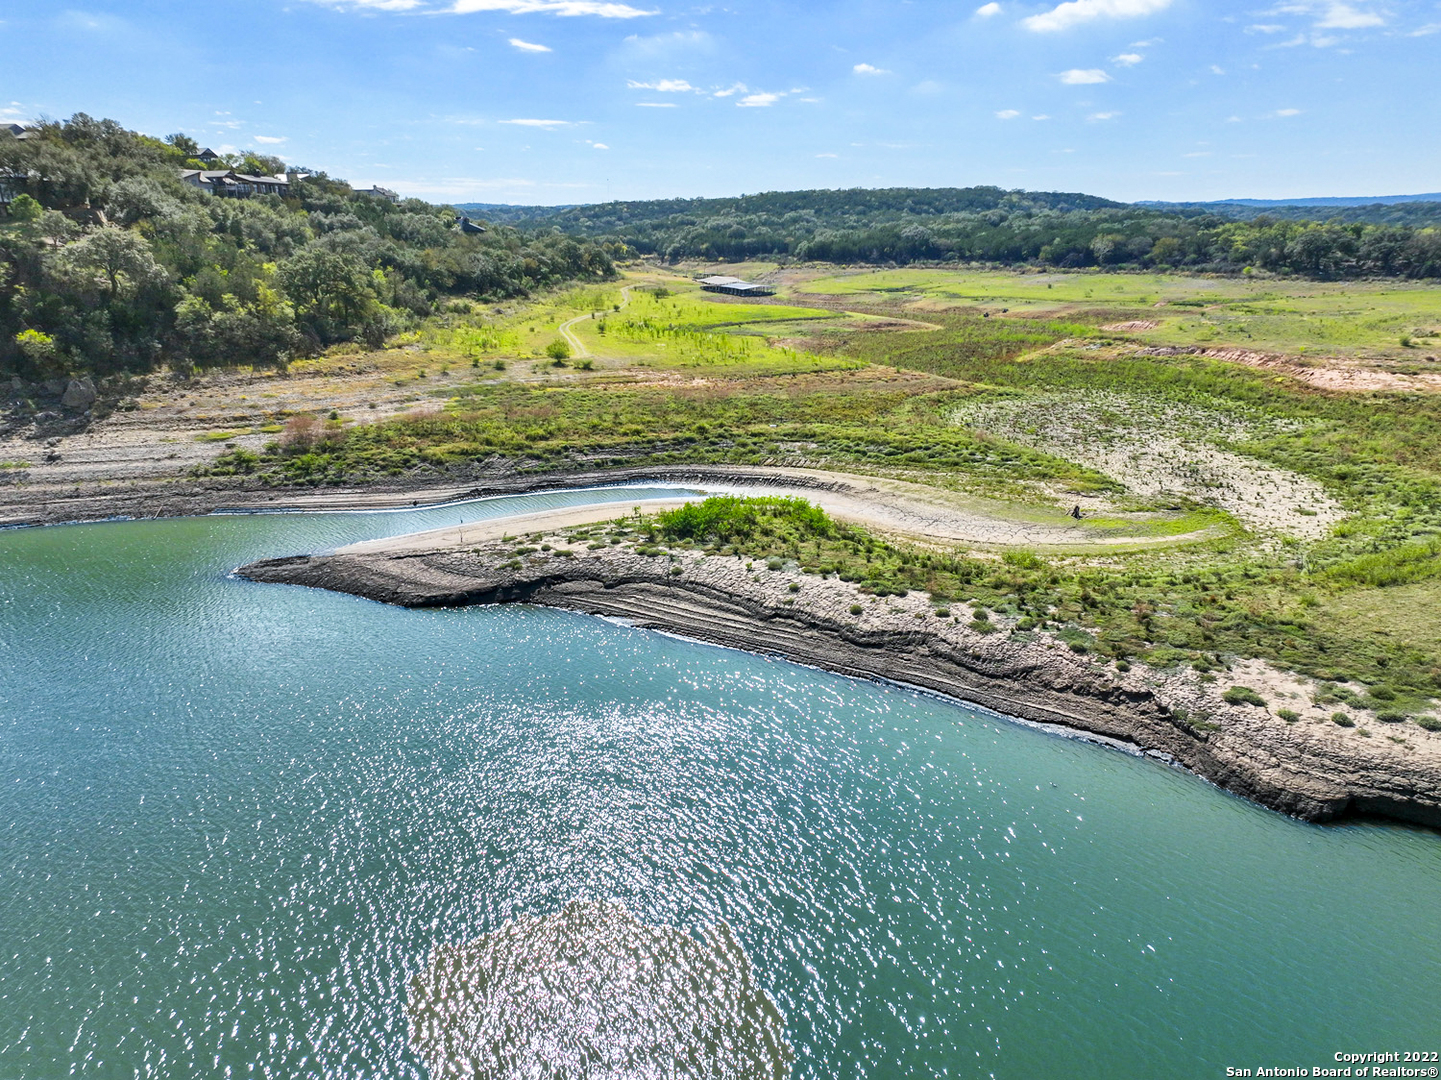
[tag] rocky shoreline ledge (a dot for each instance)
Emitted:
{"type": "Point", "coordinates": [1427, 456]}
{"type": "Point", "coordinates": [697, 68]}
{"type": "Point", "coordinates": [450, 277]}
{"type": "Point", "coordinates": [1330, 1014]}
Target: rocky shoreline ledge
{"type": "Point", "coordinates": [1308, 768]}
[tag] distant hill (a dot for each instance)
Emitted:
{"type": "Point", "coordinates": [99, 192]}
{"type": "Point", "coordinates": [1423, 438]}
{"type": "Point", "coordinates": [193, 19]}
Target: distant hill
{"type": "Point", "coordinates": [1420, 211]}
{"type": "Point", "coordinates": [1325, 201]}
{"type": "Point", "coordinates": [849, 225]}
{"type": "Point", "coordinates": [847, 205]}
{"type": "Point", "coordinates": [990, 225]}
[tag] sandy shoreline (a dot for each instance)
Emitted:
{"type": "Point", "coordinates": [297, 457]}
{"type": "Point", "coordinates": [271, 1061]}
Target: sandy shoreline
{"type": "Point", "coordinates": [914, 512]}
{"type": "Point", "coordinates": [1311, 768]}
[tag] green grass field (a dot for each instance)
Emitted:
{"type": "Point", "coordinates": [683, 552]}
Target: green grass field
{"type": "Point", "coordinates": [1345, 319]}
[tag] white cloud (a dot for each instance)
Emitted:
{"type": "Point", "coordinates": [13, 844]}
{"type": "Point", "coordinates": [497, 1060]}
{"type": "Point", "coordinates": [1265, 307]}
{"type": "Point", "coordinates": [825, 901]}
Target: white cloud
{"type": "Point", "coordinates": [1074, 12]}
{"type": "Point", "coordinates": [1129, 59]}
{"type": "Point", "coordinates": [1008, 114]}
{"type": "Point", "coordinates": [758, 101]}
{"type": "Point", "coordinates": [1103, 116]}
{"type": "Point", "coordinates": [734, 88]}
{"type": "Point", "coordinates": [599, 146]}
{"type": "Point", "coordinates": [600, 8]}
{"type": "Point", "coordinates": [1083, 77]}
{"type": "Point", "coordinates": [985, 11]}
{"type": "Point", "coordinates": [1198, 153]}
{"type": "Point", "coordinates": [271, 140]}
{"type": "Point", "coordinates": [1428, 29]}
{"type": "Point", "coordinates": [529, 46]}
{"type": "Point", "coordinates": [1265, 28]}
{"type": "Point", "coordinates": [867, 69]}
{"type": "Point", "coordinates": [1217, 69]}
{"type": "Point", "coordinates": [828, 155]}
{"type": "Point", "coordinates": [1341, 16]}
{"type": "Point", "coordinates": [1040, 116]}
{"type": "Point", "coordinates": [1284, 113]}
{"type": "Point", "coordinates": [547, 124]}
{"type": "Point", "coordinates": [663, 86]}
{"type": "Point", "coordinates": [659, 47]}
{"type": "Point", "coordinates": [373, 5]}
{"type": "Point", "coordinates": [656, 105]}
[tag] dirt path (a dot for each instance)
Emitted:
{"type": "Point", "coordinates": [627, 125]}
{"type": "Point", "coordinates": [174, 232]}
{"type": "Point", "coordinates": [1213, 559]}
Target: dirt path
{"type": "Point", "coordinates": [577, 347]}
{"type": "Point", "coordinates": [572, 339]}
{"type": "Point", "coordinates": [897, 508]}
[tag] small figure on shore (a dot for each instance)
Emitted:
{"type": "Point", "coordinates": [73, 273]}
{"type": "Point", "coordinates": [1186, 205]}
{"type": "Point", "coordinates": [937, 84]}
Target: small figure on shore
{"type": "Point", "coordinates": [1076, 512]}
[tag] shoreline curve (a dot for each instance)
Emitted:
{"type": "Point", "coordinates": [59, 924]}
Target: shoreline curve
{"type": "Point", "coordinates": [1313, 771]}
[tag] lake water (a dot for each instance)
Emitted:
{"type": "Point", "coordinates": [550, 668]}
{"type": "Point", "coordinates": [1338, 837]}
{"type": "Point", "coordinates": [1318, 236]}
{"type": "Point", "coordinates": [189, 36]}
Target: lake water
{"type": "Point", "coordinates": [237, 819]}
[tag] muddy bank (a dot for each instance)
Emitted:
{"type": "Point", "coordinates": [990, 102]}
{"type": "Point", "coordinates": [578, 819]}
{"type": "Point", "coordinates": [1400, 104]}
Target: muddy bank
{"type": "Point", "coordinates": [24, 503]}
{"type": "Point", "coordinates": [1310, 769]}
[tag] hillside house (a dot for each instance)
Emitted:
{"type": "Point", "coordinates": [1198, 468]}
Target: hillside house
{"type": "Point", "coordinates": [381, 193]}
{"type": "Point", "coordinates": [235, 185]}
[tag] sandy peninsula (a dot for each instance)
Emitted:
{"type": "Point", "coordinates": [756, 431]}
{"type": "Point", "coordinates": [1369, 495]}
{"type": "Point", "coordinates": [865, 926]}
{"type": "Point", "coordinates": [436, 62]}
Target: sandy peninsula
{"type": "Point", "coordinates": [1309, 767]}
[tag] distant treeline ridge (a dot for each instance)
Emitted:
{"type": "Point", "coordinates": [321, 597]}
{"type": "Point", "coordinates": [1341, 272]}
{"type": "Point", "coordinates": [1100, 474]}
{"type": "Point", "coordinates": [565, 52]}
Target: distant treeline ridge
{"type": "Point", "coordinates": [992, 225]}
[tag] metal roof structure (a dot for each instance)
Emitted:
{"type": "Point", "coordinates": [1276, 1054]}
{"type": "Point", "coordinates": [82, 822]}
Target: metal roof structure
{"type": "Point", "coordinates": [735, 287]}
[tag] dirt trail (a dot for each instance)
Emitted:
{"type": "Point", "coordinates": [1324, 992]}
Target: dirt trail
{"type": "Point", "coordinates": [572, 339]}
{"type": "Point", "coordinates": [896, 508]}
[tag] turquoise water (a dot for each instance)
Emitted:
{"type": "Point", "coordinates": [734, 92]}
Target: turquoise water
{"type": "Point", "coordinates": [235, 819]}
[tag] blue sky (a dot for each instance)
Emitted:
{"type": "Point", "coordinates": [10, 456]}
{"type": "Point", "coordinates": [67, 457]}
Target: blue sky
{"type": "Point", "coordinates": [563, 101]}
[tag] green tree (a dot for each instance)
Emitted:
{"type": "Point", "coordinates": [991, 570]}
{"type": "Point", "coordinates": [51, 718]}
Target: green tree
{"type": "Point", "coordinates": [332, 292]}
{"type": "Point", "coordinates": [26, 210]}
{"type": "Point", "coordinates": [118, 261]}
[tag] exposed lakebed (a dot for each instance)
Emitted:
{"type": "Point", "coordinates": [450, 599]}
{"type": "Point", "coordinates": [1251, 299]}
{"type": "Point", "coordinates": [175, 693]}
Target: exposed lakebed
{"type": "Point", "coordinates": [241, 820]}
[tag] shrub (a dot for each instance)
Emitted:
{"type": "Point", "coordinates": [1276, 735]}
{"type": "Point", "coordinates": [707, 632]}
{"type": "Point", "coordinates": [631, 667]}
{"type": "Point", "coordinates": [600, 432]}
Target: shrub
{"type": "Point", "coordinates": [943, 613]}
{"type": "Point", "coordinates": [1243, 695]}
{"type": "Point", "coordinates": [1430, 723]}
{"type": "Point", "coordinates": [558, 350]}
{"type": "Point", "coordinates": [856, 609]}
{"type": "Point", "coordinates": [729, 519]}
{"type": "Point", "coordinates": [1340, 719]}
{"type": "Point", "coordinates": [1391, 716]}
{"type": "Point", "coordinates": [794, 586]}
{"type": "Point", "coordinates": [301, 433]}
{"type": "Point", "coordinates": [1288, 715]}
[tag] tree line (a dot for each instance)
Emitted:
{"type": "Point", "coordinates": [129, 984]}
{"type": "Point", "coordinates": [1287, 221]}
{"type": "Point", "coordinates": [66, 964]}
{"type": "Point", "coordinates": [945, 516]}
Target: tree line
{"type": "Point", "coordinates": [993, 226]}
{"type": "Point", "coordinates": [110, 263]}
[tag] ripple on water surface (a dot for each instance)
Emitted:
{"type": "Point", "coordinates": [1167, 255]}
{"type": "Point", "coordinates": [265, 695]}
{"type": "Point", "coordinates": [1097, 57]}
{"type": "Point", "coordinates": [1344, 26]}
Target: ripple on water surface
{"type": "Point", "coordinates": [593, 992]}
